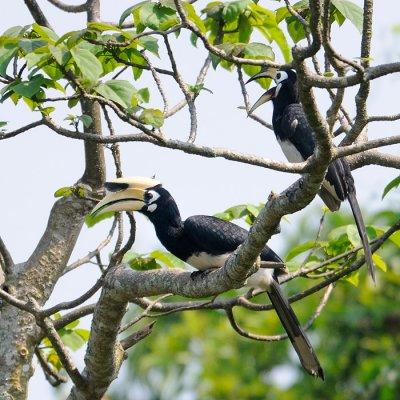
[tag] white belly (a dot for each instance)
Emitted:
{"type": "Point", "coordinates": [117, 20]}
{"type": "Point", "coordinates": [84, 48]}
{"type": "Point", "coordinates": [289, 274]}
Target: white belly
{"type": "Point", "coordinates": [290, 151]}
{"type": "Point", "coordinates": [261, 279]}
{"type": "Point", "coordinates": [204, 260]}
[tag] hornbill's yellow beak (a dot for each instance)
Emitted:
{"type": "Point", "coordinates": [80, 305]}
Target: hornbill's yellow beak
{"type": "Point", "coordinates": [269, 72]}
{"type": "Point", "coordinates": [125, 194]}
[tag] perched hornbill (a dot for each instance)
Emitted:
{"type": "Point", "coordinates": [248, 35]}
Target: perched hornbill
{"type": "Point", "coordinates": [297, 141]}
{"type": "Point", "coordinates": [205, 242]}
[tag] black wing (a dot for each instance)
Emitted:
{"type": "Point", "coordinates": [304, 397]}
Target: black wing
{"type": "Point", "coordinates": [216, 236]}
{"type": "Point", "coordinates": [339, 183]}
{"type": "Point", "coordinates": [295, 128]}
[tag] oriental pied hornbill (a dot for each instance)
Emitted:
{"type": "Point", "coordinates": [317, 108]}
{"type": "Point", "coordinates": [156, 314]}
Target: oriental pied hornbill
{"type": "Point", "coordinates": [205, 242]}
{"type": "Point", "coordinates": [297, 141]}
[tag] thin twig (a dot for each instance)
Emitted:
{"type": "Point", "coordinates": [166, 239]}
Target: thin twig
{"type": "Point", "coordinates": [6, 257]}
{"type": "Point", "coordinates": [94, 252]}
{"type": "Point", "coordinates": [157, 80]}
{"type": "Point", "coordinates": [53, 377]}
{"type": "Point", "coordinates": [188, 96]}
{"type": "Point", "coordinates": [145, 313]}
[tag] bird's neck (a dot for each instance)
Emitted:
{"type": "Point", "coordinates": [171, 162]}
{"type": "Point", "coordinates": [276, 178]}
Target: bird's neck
{"type": "Point", "coordinates": [288, 94]}
{"type": "Point", "coordinates": [166, 219]}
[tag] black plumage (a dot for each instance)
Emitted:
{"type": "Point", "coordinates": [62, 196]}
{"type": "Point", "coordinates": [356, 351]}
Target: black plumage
{"type": "Point", "coordinates": [297, 140]}
{"type": "Point", "coordinates": [197, 234]}
{"type": "Point", "coordinates": [204, 241]}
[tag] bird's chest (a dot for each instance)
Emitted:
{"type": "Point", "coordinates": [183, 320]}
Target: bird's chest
{"type": "Point", "coordinates": [203, 260]}
{"type": "Point", "coordinates": [290, 151]}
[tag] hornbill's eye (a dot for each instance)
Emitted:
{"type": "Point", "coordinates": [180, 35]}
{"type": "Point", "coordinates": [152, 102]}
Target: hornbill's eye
{"type": "Point", "coordinates": [278, 76]}
{"type": "Point", "coordinates": [151, 196]}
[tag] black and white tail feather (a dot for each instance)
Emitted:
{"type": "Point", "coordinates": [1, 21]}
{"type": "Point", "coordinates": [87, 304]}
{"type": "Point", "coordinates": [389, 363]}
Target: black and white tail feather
{"type": "Point", "coordinates": [294, 330]}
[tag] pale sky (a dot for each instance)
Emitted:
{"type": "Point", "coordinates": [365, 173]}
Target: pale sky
{"type": "Point", "coordinates": [37, 163]}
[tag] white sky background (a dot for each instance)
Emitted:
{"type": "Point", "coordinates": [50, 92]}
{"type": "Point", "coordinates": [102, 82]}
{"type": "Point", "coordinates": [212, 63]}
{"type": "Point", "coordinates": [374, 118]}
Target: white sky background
{"type": "Point", "coordinates": [35, 164]}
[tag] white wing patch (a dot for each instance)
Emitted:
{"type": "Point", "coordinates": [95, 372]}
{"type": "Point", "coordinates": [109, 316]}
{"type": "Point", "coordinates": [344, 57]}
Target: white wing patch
{"type": "Point", "coordinates": [294, 123]}
{"type": "Point", "coordinates": [331, 189]}
{"type": "Point", "coordinates": [290, 151]}
{"type": "Point", "coordinates": [205, 260]}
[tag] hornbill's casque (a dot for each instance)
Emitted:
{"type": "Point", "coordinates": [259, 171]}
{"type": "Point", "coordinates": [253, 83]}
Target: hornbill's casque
{"type": "Point", "coordinates": [205, 242]}
{"type": "Point", "coordinates": [297, 141]}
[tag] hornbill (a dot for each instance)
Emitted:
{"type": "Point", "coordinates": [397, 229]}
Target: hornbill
{"type": "Point", "coordinates": [205, 242]}
{"type": "Point", "coordinates": [297, 140]}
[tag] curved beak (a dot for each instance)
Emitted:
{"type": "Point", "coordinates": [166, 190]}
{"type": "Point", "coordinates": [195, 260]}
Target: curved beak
{"type": "Point", "coordinates": [125, 194]}
{"type": "Point", "coordinates": [125, 200]}
{"type": "Point", "coordinates": [267, 96]}
{"type": "Point", "coordinates": [269, 72]}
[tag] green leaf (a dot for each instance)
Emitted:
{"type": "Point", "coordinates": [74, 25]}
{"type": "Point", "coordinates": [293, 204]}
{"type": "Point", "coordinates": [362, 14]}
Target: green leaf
{"type": "Point", "coordinates": [83, 333]}
{"type": "Point", "coordinates": [143, 263]}
{"type": "Point", "coordinates": [45, 32]}
{"type": "Point", "coordinates": [29, 88]}
{"type": "Point", "coordinates": [6, 55]}
{"type": "Point", "coordinates": [47, 110]}
{"type": "Point", "coordinates": [53, 359]}
{"type": "Point", "coordinates": [92, 220]}
{"type": "Point", "coordinates": [258, 51]}
{"type": "Point", "coordinates": [63, 192]}
{"type": "Point", "coordinates": [86, 120]}
{"type": "Point", "coordinates": [3, 123]}
{"type": "Point", "coordinates": [72, 340]}
{"type": "Point", "coordinates": [72, 324]}
{"type": "Point", "coordinates": [245, 29]}
{"type": "Point", "coordinates": [167, 258]}
{"type": "Point", "coordinates": [395, 238]}
{"type": "Point", "coordinates": [301, 248]}
{"type": "Point", "coordinates": [60, 54]}
{"type": "Point", "coordinates": [390, 186]}
{"type": "Point", "coordinates": [156, 16]}
{"type": "Point", "coordinates": [149, 43]}
{"type": "Point", "coordinates": [102, 27]}
{"type": "Point", "coordinates": [88, 64]}
{"type": "Point", "coordinates": [143, 95]}
{"type": "Point", "coordinates": [353, 235]}
{"type": "Point", "coordinates": [351, 11]}
{"type": "Point", "coordinates": [129, 11]}
{"type": "Point", "coordinates": [192, 16]}
{"type": "Point", "coordinates": [73, 102]}
{"type": "Point", "coordinates": [379, 262]}
{"type": "Point", "coordinates": [353, 278]}
{"type": "Point", "coordinates": [119, 91]}
{"type": "Point", "coordinates": [233, 9]}
{"type": "Point", "coordinates": [296, 30]}
{"type": "Point", "coordinates": [152, 116]}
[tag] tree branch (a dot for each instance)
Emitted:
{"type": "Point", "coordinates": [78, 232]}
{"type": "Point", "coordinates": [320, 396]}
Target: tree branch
{"type": "Point", "coordinates": [69, 7]}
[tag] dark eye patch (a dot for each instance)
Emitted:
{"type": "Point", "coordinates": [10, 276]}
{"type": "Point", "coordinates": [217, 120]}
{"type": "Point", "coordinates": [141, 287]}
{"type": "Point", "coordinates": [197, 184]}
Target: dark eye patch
{"type": "Point", "coordinates": [278, 75]}
{"type": "Point", "coordinates": [116, 186]}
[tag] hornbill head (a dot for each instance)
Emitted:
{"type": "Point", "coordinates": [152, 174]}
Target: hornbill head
{"type": "Point", "coordinates": [285, 90]}
{"type": "Point", "coordinates": [130, 194]}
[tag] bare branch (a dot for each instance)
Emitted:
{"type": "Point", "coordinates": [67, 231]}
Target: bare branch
{"type": "Point", "coordinates": [94, 252]}
{"type": "Point", "coordinates": [74, 303]}
{"type": "Point", "coordinates": [37, 13]}
{"type": "Point", "coordinates": [188, 96]}
{"type": "Point", "coordinates": [62, 352]}
{"type": "Point", "coordinates": [5, 256]}
{"type": "Point", "coordinates": [53, 377]}
{"type": "Point", "coordinates": [137, 336]}
{"type": "Point", "coordinates": [247, 103]}
{"type": "Point", "coordinates": [69, 7]}
{"type": "Point", "coordinates": [10, 134]}
{"type": "Point", "coordinates": [157, 81]}
{"type": "Point", "coordinates": [115, 146]}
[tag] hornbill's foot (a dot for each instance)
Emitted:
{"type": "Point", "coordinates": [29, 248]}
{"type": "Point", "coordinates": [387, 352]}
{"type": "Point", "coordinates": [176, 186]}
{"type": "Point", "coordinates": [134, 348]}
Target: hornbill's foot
{"type": "Point", "coordinates": [200, 274]}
